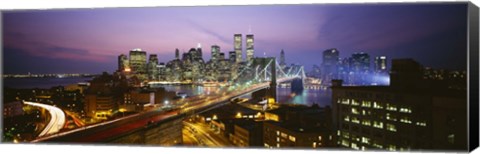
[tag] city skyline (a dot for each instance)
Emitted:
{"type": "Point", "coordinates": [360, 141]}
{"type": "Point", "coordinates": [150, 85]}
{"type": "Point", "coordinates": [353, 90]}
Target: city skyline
{"type": "Point", "coordinates": [79, 42]}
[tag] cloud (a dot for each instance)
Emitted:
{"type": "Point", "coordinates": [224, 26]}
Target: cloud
{"type": "Point", "coordinates": [378, 28]}
{"type": "Point", "coordinates": [20, 41]}
{"type": "Point", "coordinates": [205, 30]}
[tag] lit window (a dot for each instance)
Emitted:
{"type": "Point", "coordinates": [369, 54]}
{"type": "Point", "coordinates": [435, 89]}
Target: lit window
{"type": "Point", "coordinates": [346, 101]}
{"type": "Point", "coordinates": [378, 124]}
{"type": "Point", "coordinates": [355, 103]}
{"type": "Point", "coordinates": [366, 104]}
{"type": "Point", "coordinates": [405, 110]}
{"type": "Point", "coordinates": [391, 147]}
{"type": "Point", "coordinates": [346, 135]}
{"type": "Point", "coordinates": [278, 133]}
{"type": "Point", "coordinates": [365, 140]}
{"type": "Point", "coordinates": [406, 120]}
{"type": "Point", "coordinates": [391, 117]}
{"type": "Point", "coordinates": [451, 138]}
{"type": "Point", "coordinates": [345, 143]}
{"type": "Point", "coordinates": [391, 107]}
{"type": "Point", "coordinates": [347, 118]}
{"type": "Point", "coordinates": [355, 111]}
{"type": "Point", "coordinates": [421, 124]}
{"type": "Point", "coordinates": [366, 122]}
{"type": "Point", "coordinates": [291, 138]}
{"type": "Point", "coordinates": [355, 120]}
{"type": "Point", "coordinates": [377, 105]}
{"type": "Point", "coordinates": [391, 127]}
{"type": "Point", "coordinates": [377, 145]}
{"type": "Point", "coordinates": [354, 146]}
{"type": "Point", "coordinates": [314, 144]}
{"type": "Point", "coordinates": [319, 138]}
{"type": "Point", "coordinates": [284, 135]}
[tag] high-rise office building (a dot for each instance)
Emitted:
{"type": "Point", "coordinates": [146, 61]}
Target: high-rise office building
{"type": "Point", "coordinates": [215, 53]}
{"type": "Point", "coordinates": [232, 55]}
{"type": "Point", "coordinates": [330, 64]}
{"type": "Point", "coordinates": [237, 38]}
{"type": "Point", "coordinates": [221, 56]}
{"type": "Point", "coordinates": [360, 62]}
{"type": "Point", "coordinates": [152, 67]}
{"type": "Point", "coordinates": [282, 59]}
{"type": "Point", "coordinates": [177, 54]}
{"type": "Point", "coordinates": [412, 113]}
{"type": "Point", "coordinates": [123, 64]}
{"type": "Point", "coordinates": [138, 61]}
{"type": "Point", "coordinates": [380, 64]}
{"type": "Point", "coordinates": [250, 51]}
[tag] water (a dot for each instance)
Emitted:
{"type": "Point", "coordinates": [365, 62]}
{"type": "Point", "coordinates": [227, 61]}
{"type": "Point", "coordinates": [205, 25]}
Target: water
{"type": "Point", "coordinates": [27, 83]}
{"type": "Point", "coordinates": [191, 90]}
{"type": "Point", "coordinates": [312, 95]}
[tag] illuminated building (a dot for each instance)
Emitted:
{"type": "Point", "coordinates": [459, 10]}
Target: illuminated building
{"type": "Point", "coordinates": [138, 63]}
{"type": "Point", "coordinates": [291, 126]}
{"type": "Point", "coordinates": [250, 46]}
{"type": "Point", "coordinates": [103, 94]}
{"type": "Point", "coordinates": [221, 56]}
{"type": "Point", "coordinates": [215, 53]}
{"type": "Point", "coordinates": [360, 68]}
{"type": "Point", "coordinates": [329, 64]}
{"type": "Point", "coordinates": [411, 114]}
{"type": "Point", "coordinates": [237, 38]}
{"type": "Point", "coordinates": [177, 54]}
{"type": "Point", "coordinates": [152, 67]}
{"type": "Point", "coordinates": [232, 56]}
{"type": "Point", "coordinates": [99, 106]}
{"type": "Point", "coordinates": [282, 59]}
{"type": "Point", "coordinates": [247, 133]}
{"type": "Point", "coordinates": [360, 62]}
{"type": "Point", "coordinates": [123, 63]}
{"type": "Point", "coordinates": [380, 64]}
{"type": "Point", "coordinates": [11, 109]}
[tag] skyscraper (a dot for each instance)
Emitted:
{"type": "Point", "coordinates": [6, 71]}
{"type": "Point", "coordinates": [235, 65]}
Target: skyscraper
{"type": "Point", "coordinates": [152, 67]}
{"type": "Point", "coordinates": [221, 56]}
{"type": "Point", "coordinates": [282, 59]}
{"type": "Point", "coordinates": [123, 64]}
{"type": "Point", "coordinates": [215, 53]}
{"type": "Point", "coordinates": [238, 47]}
{"type": "Point", "coordinates": [250, 51]}
{"type": "Point", "coordinates": [232, 56]}
{"type": "Point", "coordinates": [360, 62]}
{"type": "Point", "coordinates": [380, 64]}
{"type": "Point", "coordinates": [138, 61]}
{"type": "Point", "coordinates": [330, 64]}
{"type": "Point", "coordinates": [177, 54]}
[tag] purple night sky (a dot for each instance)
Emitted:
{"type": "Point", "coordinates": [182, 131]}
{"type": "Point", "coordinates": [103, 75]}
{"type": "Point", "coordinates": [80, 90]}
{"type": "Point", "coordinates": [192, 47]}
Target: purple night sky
{"type": "Point", "coordinates": [89, 40]}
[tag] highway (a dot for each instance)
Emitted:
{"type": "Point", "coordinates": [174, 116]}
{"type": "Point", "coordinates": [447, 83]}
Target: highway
{"type": "Point", "coordinates": [205, 136]}
{"type": "Point", "coordinates": [117, 127]}
{"type": "Point", "coordinates": [57, 120]}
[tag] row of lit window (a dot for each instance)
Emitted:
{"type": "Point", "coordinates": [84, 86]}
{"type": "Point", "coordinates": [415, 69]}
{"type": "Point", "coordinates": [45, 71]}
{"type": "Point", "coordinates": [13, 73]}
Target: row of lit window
{"type": "Point", "coordinates": [365, 140]}
{"type": "Point", "coordinates": [376, 124]}
{"type": "Point", "coordinates": [284, 135]}
{"type": "Point", "coordinates": [376, 105]}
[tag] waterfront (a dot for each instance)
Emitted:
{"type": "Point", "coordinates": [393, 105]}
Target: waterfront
{"type": "Point", "coordinates": [44, 83]}
{"type": "Point", "coordinates": [312, 95]}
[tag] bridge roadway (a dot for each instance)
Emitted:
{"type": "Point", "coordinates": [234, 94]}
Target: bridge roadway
{"type": "Point", "coordinates": [106, 131]}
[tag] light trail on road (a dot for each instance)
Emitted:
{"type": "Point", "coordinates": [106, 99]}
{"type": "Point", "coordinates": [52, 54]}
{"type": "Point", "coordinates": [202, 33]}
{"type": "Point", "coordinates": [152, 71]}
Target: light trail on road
{"type": "Point", "coordinates": [57, 119]}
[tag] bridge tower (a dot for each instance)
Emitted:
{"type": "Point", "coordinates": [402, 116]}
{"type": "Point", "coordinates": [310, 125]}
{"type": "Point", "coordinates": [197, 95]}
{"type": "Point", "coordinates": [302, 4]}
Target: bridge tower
{"type": "Point", "coordinates": [272, 90]}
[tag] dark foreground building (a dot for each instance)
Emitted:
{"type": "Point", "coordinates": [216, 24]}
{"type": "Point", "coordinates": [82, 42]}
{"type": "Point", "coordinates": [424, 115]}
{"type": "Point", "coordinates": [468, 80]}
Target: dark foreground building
{"type": "Point", "coordinates": [413, 113]}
